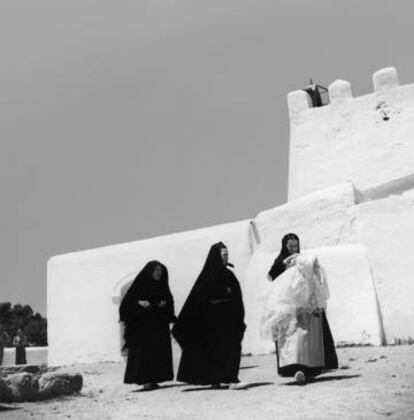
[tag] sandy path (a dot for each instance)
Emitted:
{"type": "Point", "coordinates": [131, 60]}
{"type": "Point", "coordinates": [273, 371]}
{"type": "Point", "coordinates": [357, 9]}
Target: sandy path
{"type": "Point", "coordinates": [376, 389]}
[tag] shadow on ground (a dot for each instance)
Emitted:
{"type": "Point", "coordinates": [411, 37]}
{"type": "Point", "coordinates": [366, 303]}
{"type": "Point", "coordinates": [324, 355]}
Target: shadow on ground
{"type": "Point", "coordinates": [8, 408]}
{"type": "Point", "coordinates": [160, 388]}
{"type": "Point", "coordinates": [324, 379]}
{"type": "Point", "coordinates": [249, 386]}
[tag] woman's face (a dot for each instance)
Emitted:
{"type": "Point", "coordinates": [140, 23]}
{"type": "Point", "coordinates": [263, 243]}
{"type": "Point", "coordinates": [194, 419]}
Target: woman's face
{"type": "Point", "coordinates": [292, 246]}
{"type": "Point", "coordinates": [157, 273]}
{"type": "Point", "coordinates": [225, 255]}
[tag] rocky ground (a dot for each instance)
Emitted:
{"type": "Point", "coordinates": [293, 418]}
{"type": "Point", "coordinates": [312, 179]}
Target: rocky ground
{"type": "Point", "coordinates": [373, 383]}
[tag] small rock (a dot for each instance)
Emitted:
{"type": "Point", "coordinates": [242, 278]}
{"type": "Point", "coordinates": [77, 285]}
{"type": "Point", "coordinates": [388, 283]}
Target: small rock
{"type": "Point", "coordinates": [344, 367]}
{"type": "Point", "coordinates": [6, 394]}
{"type": "Point", "coordinates": [371, 360]}
{"type": "Point", "coordinates": [32, 369]}
{"type": "Point", "coordinates": [54, 384]}
{"type": "Point", "coordinates": [383, 357]}
{"type": "Point", "coordinates": [24, 386]}
{"type": "Point", "coordinates": [352, 359]}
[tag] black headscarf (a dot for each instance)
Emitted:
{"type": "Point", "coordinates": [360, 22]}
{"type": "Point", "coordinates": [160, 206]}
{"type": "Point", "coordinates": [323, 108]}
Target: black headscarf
{"type": "Point", "coordinates": [278, 266]}
{"type": "Point", "coordinates": [212, 282]}
{"type": "Point", "coordinates": [145, 287]}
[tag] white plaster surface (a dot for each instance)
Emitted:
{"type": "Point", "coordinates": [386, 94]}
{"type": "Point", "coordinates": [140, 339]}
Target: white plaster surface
{"type": "Point", "coordinates": [320, 218]}
{"type": "Point", "coordinates": [9, 356]}
{"type": "Point", "coordinates": [352, 308]}
{"type": "Point", "coordinates": [82, 304]}
{"type": "Point", "coordinates": [386, 228]}
{"type": "Point", "coordinates": [84, 288]}
{"type": "Point", "coordinates": [349, 140]}
{"type": "Point", "coordinates": [36, 355]}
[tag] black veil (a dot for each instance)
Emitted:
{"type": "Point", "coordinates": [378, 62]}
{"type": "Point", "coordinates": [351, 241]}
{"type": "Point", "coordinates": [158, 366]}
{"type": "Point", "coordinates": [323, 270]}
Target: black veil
{"type": "Point", "coordinates": [145, 288]}
{"type": "Point", "coordinates": [278, 266]}
{"type": "Point", "coordinates": [189, 320]}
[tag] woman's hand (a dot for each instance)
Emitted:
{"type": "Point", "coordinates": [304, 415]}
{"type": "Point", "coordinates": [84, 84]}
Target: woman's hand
{"type": "Point", "coordinates": [216, 301]}
{"type": "Point", "coordinates": [162, 304]}
{"type": "Point", "coordinates": [317, 312]}
{"type": "Point", "coordinates": [144, 303]}
{"type": "Point", "coordinates": [289, 261]}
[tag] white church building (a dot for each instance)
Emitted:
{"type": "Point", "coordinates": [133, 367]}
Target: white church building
{"type": "Point", "coordinates": [351, 198]}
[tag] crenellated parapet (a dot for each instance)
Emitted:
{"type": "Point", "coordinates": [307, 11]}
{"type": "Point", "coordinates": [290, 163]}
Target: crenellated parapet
{"type": "Point", "coordinates": [385, 79]}
{"type": "Point", "coordinates": [367, 140]}
{"type": "Point", "coordinates": [340, 91]}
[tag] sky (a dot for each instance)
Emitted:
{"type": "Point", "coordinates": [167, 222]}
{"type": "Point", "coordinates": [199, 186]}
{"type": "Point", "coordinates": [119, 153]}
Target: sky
{"type": "Point", "coordinates": [122, 120]}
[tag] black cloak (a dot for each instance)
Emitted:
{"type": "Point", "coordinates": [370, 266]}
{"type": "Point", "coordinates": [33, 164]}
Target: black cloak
{"type": "Point", "coordinates": [278, 266]}
{"type": "Point", "coordinates": [211, 325]}
{"type": "Point", "coordinates": [147, 331]}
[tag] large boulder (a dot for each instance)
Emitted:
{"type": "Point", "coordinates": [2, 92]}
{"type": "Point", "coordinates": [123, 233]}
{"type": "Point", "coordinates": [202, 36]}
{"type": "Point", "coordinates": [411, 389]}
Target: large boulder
{"type": "Point", "coordinates": [55, 384]}
{"type": "Point", "coordinates": [24, 386]}
{"type": "Point", "coordinates": [6, 394]}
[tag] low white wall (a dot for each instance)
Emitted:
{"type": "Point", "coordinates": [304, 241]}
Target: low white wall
{"type": "Point", "coordinates": [34, 356]}
{"type": "Point", "coordinates": [82, 316]}
{"type": "Point", "coordinates": [9, 356]}
{"type": "Point", "coordinates": [352, 307]}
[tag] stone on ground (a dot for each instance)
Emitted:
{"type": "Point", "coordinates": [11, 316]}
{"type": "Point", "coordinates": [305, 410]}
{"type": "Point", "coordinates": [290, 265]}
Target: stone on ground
{"type": "Point", "coordinates": [5, 392]}
{"type": "Point", "coordinates": [54, 384]}
{"type": "Point", "coordinates": [24, 386]}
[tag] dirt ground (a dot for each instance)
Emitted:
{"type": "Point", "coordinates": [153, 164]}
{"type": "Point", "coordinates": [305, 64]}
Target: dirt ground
{"type": "Point", "coordinates": [373, 383]}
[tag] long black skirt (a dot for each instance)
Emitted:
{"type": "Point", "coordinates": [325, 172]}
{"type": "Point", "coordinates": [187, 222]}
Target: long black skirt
{"type": "Point", "coordinates": [212, 363]}
{"type": "Point", "coordinates": [20, 355]}
{"type": "Point", "coordinates": [330, 359]}
{"type": "Point", "coordinates": [150, 357]}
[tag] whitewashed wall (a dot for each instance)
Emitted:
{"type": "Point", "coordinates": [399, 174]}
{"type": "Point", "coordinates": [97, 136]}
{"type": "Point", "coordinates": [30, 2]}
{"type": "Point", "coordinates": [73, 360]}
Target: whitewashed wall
{"type": "Point", "coordinates": [386, 228]}
{"type": "Point", "coordinates": [349, 140]}
{"type": "Point", "coordinates": [320, 218]}
{"type": "Point", "coordinates": [9, 356]}
{"type": "Point", "coordinates": [84, 287]}
{"type": "Point", "coordinates": [82, 312]}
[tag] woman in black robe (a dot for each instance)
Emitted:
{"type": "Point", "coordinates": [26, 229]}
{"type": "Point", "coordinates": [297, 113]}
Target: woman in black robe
{"type": "Point", "coordinates": [210, 327]}
{"type": "Point", "coordinates": [147, 310]}
{"type": "Point", "coordinates": [286, 258]}
{"type": "Point", "coordinates": [20, 343]}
